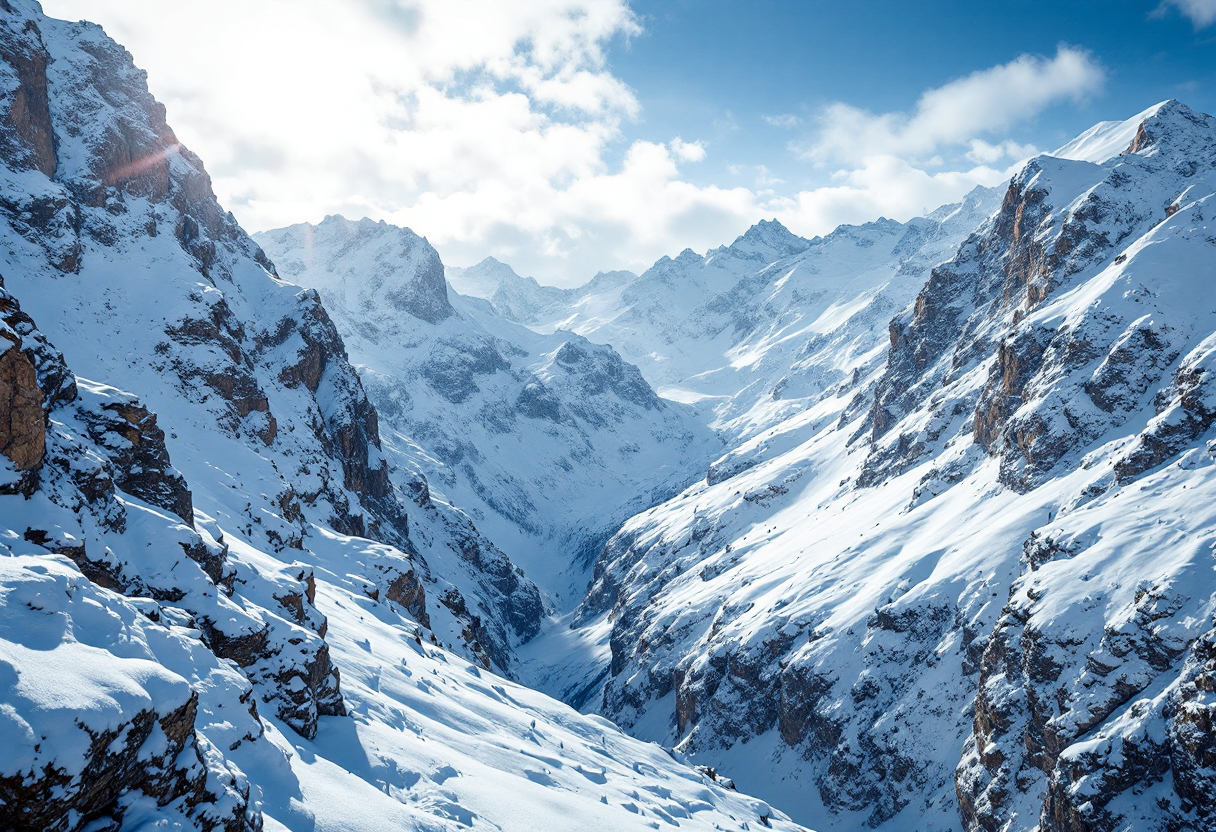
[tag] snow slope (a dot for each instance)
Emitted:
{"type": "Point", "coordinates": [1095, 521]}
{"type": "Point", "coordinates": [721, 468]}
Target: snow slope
{"type": "Point", "coordinates": [978, 590]}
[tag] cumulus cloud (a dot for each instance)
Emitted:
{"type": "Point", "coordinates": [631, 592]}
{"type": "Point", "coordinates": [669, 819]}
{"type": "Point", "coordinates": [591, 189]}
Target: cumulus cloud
{"type": "Point", "coordinates": [687, 151]}
{"type": "Point", "coordinates": [983, 103]}
{"type": "Point", "coordinates": [1201, 12]}
{"type": "Point", "coordinates": [901, 164]}
{"type": "Point", "coordinates": [982, 153]}
{"type": "Point", "coordinates": [510, 136]}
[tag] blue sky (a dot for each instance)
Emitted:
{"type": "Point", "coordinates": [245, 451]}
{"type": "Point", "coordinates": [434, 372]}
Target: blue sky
{"type": "Point", "coordinates": [714, 69]}
{"type": "Point", "coordinates": [571, 136]}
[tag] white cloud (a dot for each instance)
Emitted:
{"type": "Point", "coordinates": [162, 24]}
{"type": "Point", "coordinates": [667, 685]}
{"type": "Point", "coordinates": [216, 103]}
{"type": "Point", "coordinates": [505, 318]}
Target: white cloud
{"type": "Point", "coordinates": [1201, 12]}
{"type": "Point", "coordinates": [982, 103]}
{"type": "Point", "coordinates": [387, 108]}
{"type": "Point", "coordinates": [883, 185]}
{"type": "Point", "coordinates": [510, 137]}
{"type": "Point", "coordinates": [785, 120]}
{"type": "Point", "coordinates": [983, 153]}
{"type": "Point", "coordinates": [687, 151]}
{"type": "Point", "coordinates": [901, 164]}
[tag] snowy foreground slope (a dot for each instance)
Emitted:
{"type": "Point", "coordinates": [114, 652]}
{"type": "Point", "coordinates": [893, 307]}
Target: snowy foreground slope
{"type": "Point", "coordinates": [548, 441]}
{"type": "Point", "coordinates": [974, 587]}
{"type": "Point", "coordinates": [221, 605]}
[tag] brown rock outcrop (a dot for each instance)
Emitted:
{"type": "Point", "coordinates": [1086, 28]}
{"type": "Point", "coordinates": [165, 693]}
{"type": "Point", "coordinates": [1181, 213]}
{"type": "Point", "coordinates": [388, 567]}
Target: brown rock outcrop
{"type": "Point", "coordinates": [22, 422]}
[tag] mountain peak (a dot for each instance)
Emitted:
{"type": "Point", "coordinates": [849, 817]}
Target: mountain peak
{"type": "Point", "coordinates": [770, 240]}
{"type": "Point", "coordinates": [1169, 124]}
{"type": "Point", "coordinates": [392, 263]}
{"type": "Point", "coordinates": [1173, 127]}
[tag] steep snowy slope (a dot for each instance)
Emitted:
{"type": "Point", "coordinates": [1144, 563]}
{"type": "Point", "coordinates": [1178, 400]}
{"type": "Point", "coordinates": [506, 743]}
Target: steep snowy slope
{"type": "Point", "coordinates": [184, 574]}
{"type": "Point", "coordinates": [116, 241]}
{"type": "Point", "coordinates": [979, 590]}
{"type": "Point", "coordinates": [549, 441]}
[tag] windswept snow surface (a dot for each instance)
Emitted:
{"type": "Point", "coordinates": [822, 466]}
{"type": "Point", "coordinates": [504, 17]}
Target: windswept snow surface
{"type": "Point", "coordinates": [431, 743]}
{"type": "Point", "coordinates": [434, 742]}
{"type": "Point", "coordinates": [1106, 139]}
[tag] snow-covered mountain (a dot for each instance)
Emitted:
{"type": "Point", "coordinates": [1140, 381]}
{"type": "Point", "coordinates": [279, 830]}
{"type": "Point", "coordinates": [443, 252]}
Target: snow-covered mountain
{"type": "Point", "coordinates": [940, 556]}
{"type": "Point", "coordinates": [550, 442]}
{"type": "Point", "coordinates": [756, 331]}
{"type": "Point", "coordinates": [975, 587]}
{"type": "Point", "coordinates": [523, 299]}
{"type": "Point", "coordinates": [222, 604]}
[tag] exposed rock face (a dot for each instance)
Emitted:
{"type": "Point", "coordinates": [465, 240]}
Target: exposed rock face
{"type": "Point", "coordinates": [1052, 384]}
{"type": "Point", "coordinates": [121, 761]}
{"type": "Point", "coordinates": [26, 136]}
{"type": "Point", "coordinates": [1030, 736]}
{"type": "Point", "coordinates": [1187, 409]}
{"type": "Point", "coordinates": [405, 589]}
{"type": "Point", "coordinates": [316, 360]}
{"type": "Point", "coordinates": [22, 424]}
{"type": "Point", "coordinates": [600, 369]}
{"type": "Point", "coordinates": [135, 448]}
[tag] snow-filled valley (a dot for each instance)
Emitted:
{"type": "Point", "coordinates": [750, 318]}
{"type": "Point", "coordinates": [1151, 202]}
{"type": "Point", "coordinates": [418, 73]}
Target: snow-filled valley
{"type": "Point", "coordinates": [908, 526]}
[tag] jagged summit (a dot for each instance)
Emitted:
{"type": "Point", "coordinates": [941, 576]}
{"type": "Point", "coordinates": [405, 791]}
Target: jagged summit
{"type": "Point", "coordinates": [766, 241]}
{"type": "Point", "coordinates": [490, 277]}
{"type": "Point", "coordinates": [400, 267]}
{"type": "Point", "coordinates": [1174, 129]}
{"type": "Point", "coordinates": [493, 266]}
{"type": "Point", "coordinates": [1168, 123]}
